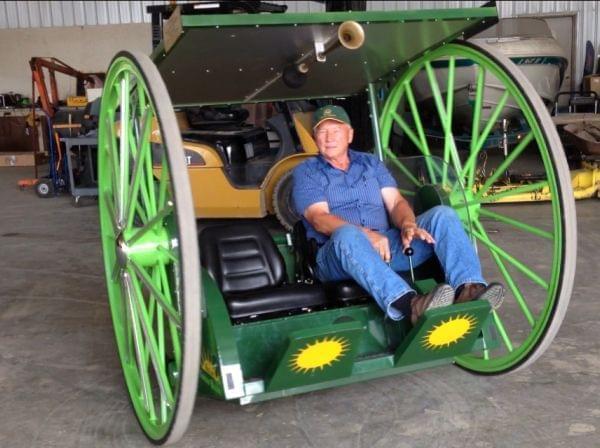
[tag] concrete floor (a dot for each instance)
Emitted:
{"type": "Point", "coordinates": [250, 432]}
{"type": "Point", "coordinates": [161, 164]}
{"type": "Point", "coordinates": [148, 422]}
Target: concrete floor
{"type": "Point", "coordinates": [61, 384]}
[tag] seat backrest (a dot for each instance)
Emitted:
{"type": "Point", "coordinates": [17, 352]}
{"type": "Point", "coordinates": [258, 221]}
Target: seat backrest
{"type": "Point", "coordinates": [241, 257]}
{"type": "Point", "coordinates": [305, 250]}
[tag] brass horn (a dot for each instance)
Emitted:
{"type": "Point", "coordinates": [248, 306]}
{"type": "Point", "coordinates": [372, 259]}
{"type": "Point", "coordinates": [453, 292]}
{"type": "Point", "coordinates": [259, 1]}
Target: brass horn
{"type": "Point", "coordinates": [351, 35]}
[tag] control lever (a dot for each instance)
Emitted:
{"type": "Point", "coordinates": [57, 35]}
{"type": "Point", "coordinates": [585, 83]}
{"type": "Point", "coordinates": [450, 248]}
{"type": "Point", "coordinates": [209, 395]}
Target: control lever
{"type": "Point", "coordinates": [409, 251]}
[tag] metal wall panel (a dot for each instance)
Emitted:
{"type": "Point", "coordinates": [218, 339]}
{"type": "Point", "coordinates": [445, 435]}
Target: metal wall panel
{"type": "Point", "coordinates": [35, 14]}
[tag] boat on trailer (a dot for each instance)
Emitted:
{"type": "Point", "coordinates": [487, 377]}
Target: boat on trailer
{"type": "Point", "coordinates": [528, 42]}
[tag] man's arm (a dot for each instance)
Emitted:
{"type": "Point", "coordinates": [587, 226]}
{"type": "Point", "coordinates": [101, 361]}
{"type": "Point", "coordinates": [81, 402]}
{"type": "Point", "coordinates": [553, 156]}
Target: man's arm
{"type": "Point", "coordinates": [403, 217]}
{"type": "Point", "coordinates": [319, 217]}
{"type": "Point", "coordinates": [324, 222]}
{"type": "Point", "coordinates": [398, 208]}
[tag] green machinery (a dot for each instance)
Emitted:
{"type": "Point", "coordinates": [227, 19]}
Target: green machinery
{"type": "Point", "coordinates": [176, 326]}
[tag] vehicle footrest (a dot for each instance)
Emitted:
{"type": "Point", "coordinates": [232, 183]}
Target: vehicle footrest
{"type": "Point", "coordinates": [443, 333]}
{"type": "Point", "coordinates": [316, 355]}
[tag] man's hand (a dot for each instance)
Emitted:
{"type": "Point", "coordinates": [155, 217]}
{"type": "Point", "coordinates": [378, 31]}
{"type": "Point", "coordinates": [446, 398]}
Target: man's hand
{"type": "Point", "coordinates": [412, 231]}
{"type": "Point", "coordinates": [381, 244]}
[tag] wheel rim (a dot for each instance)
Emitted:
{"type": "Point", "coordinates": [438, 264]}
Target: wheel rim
{"type": "Point", "coordinates": [530, 318]}
{"type": "Point", "coordinates": [149, 247]}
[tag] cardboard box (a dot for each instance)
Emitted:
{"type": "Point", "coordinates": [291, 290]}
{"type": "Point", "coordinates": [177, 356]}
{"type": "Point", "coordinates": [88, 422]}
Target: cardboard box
{"type": "Point", "coordinates": [17, 159]}
{"type": "Point", "coordinates": [93, 93]}
{"type": "Point", "coordinates": [591, 83]}
{"type": "Point", "coordinates": [76, 101]}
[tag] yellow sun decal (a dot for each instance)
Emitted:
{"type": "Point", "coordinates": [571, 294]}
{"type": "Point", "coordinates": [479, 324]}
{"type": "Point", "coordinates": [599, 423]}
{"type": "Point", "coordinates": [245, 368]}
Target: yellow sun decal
{"type": "Point", "coordinates": [449, 331]}
{"type": "Point", "coordinates": [208, 366]}
{"type": "Point", "coordinates": [319, 354]}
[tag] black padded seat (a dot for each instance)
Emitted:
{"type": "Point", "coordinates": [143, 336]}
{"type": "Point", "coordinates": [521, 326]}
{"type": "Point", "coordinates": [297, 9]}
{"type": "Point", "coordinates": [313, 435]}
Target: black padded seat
{"type": "Point", "coordinates": [244, 261]}
{"type": "Point", "coordinates": [346, 291]}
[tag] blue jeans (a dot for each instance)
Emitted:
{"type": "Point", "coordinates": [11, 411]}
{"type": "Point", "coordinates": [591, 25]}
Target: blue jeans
{"type": "Point", "coordinates": [348, 254]}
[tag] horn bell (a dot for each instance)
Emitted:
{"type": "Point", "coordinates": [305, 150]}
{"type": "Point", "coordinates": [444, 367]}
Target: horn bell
{"type": "Point", "coordinates": [351, 35]}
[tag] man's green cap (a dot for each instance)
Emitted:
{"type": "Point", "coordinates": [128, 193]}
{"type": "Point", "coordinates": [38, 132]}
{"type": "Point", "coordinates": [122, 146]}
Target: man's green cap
{"type": "Point", "coordinates": [330, 112]}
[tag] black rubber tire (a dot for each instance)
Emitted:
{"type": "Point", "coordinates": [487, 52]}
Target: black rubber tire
{"type": "Point", "coordinates": [282, 202]}
{"type": "Point", "coordinates": [44, 188]}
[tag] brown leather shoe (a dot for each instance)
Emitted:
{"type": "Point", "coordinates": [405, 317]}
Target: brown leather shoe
{"type": "Point", "coordinates": [441, 295]}
{"type": "Point", "coordinates": [469, 291]}
{"type": "Point", "coordinates": [493, 293]}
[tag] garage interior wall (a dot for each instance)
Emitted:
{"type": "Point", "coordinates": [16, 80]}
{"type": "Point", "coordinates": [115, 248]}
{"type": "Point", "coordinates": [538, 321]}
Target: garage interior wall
{"type": "Point", "coordinates": [87, 34]}
{"type": "Point", "coordinates": [85, 48]}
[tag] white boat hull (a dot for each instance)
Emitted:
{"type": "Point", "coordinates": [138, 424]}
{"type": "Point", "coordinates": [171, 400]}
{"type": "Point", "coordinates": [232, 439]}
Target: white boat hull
{"type": "Point", "coordinates": [542, 61]}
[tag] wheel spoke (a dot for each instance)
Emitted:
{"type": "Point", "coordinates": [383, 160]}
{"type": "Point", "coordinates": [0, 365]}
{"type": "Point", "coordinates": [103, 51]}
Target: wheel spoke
{"type": "Point", "coordinates": [169, 253]}
{"type": "Point", "coordinates": [505, 164]}
{"type": "Point", "coordinates": [406, 129]}
{"type": "Point", "coordinates": [445, 117]}
{"type": "Point", "coordinates": [173, 328]}
{"type": "Point", "coordinates": [156, 221]}
{"type": "Point", "coordinates": [516, 223]}
{"type": "Point", "coordinates": [116, 271]}
{"type": "Point", "coordinates": [134, 319]}
{"type": "Point", "coordinates": [164, 182]}
{"type": "Point", "coordinates": [112, 217]}
{"type": "Point", "coordinates": [150, 183]}
{"type": "Point", "coordinates": [144, 192]}
{"type": "Point", "coordinates": [402, 167]}
{"type": "Point", "coordinates": [475, 127]}
{"type": "Point", "coordinates": [138, 163]}
{"type": "Point", "coordinates": [502, 330]}
{"type": "Point", "coordinates": [509, 280]}
{"type": "Point", "coordinates": [491, 122]}
{"type": "Point", "coordinates": [157, 363]}
{"type": "Point", "coordinates": [527, 271]}
{"type": "Point", "coordinates": [527, 188]}
{"type": "Point", "coordinates": [172, 314]}
{"type": "Point", "coordinates": [123, 147]}
{"type": "Point", "coordinates": [437, 95]}
{"type": "Point", "coordinates": [423, 146]}
{"type": "Point", "coordinates": [159, 317]}
{"type": "Point", "coordinates": [417, 120]}
{"type": "Point", "coordinates": [111, 150]}
{"type": "Point", "coordinates": [449, 144]}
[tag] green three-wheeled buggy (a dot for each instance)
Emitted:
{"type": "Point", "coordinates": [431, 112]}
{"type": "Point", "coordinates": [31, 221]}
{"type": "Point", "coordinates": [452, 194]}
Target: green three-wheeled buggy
{"type": "Point", "coordinates": [231, 308]}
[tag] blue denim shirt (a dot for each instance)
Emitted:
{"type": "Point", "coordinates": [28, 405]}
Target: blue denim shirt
{"type": "Point", "coordinates": [353, 195]}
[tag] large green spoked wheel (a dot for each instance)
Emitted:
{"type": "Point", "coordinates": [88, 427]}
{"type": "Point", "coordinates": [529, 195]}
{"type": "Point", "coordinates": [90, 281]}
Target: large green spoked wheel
{"type": "Point", "coordinates": [530, 248]}
{"type": "Point", "coordinates": [150, 246]}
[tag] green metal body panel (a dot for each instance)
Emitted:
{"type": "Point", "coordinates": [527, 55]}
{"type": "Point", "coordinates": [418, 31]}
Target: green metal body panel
{"type": "Point", "coordinates": [417, 350]}
{"type": "Point", "coordinates": [314, 350]}
{"type": "Point", "coordinates": [254, 49]}
{"type": "Point", "coordinates": [219, 347]}
{"type": "Point", "coordinates": [262, 343]}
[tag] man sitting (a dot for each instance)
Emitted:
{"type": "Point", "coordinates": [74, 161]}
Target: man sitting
{"type": "Point", "coordinates": [345, 198]}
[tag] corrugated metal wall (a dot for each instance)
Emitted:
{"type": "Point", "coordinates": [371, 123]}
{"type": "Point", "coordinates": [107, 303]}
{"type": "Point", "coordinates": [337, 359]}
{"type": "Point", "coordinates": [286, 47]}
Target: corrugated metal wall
{"type": "Point", "coordinates": [32, 14]}
{"type": "Point", "coordinates": [29, 14]}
